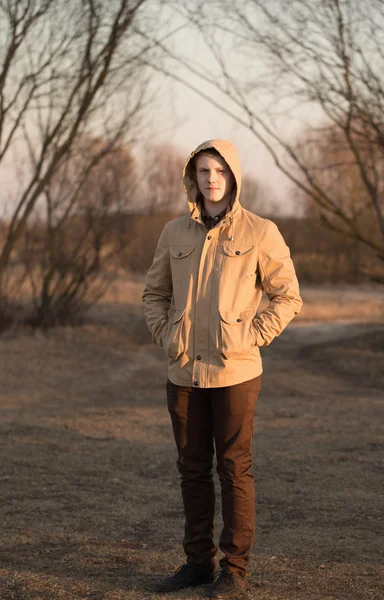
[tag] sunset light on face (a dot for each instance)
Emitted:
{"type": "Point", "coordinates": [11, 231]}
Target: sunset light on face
{"type": "Point", "coordinates": [214, 178]}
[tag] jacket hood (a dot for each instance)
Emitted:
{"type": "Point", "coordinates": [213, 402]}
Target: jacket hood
{"type": "Point", "coordinates": [228, 151]}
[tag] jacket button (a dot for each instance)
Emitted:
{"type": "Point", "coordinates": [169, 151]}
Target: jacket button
{"type": "Point", "coordinates": [195, 383]}
{"type": "Point", "coordinates": [198, 357]}
{"type": "Point", "coordinates": [238, 320]}
{"type": "Point", "coordinates": [209, 237]}
{"type": "Point", "coordinates": [180, 254]}
{"type": "Point", "coordinates": [237, 252]}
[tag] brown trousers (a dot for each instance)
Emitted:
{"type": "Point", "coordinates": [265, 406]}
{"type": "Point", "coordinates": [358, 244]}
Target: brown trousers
{"type": "Point", "coordinates": [220, 417]}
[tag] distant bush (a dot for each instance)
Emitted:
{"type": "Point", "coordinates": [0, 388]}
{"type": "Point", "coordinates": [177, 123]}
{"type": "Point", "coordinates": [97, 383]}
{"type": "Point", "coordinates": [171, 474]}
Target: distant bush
{"type": "Point", "coordinates": [320, 255]}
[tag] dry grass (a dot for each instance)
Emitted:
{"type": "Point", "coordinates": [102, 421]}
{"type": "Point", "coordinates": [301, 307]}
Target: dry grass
{"type": "Point", "coordinates": [89, 489]}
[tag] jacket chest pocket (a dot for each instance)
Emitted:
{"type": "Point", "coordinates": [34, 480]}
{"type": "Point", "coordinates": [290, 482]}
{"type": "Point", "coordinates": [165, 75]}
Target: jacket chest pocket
{"type": "Point", "coordinates": [237, 332]}
{"type": "Point", "coordinates": [239, 260]}
{"type": "Point", "coordinates": [181, 257]}
{"type": "Point", "coordinates": [175, 341]}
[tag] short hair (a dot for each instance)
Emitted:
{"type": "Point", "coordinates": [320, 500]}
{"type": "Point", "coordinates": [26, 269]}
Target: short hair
{"type": "Point", "coordinates": [207, 152]}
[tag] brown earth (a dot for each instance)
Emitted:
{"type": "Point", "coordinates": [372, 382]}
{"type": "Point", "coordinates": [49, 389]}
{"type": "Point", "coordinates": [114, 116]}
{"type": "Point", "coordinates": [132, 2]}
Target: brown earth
{"type": "Point", "coordinates": [90, 503]}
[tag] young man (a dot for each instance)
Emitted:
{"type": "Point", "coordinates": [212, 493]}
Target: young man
{"type": "Point", "coordinates": [200, 301]}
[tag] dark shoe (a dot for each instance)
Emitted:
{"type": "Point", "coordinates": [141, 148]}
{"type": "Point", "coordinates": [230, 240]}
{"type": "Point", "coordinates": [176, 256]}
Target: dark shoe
{"type": "Point", "coordinates": [188, 575]}
{"type": "Point", "coordinates": [228, 585]}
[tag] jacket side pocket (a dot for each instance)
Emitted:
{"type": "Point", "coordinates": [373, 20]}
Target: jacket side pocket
{"type": "Point", "coordinates": [237, 331]}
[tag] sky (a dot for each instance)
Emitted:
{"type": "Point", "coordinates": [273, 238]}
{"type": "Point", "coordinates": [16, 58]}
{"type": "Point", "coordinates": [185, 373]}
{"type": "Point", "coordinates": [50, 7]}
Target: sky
{"type": "Point", "coordinates": [185, 119]}
{"type": "Point", "coordinates": [199, 121]}
{"type": "Point", "coordinates": [192, 119]}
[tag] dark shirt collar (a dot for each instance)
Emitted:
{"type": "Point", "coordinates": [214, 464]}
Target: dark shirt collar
{"type": "Point", "coordinates": [209, 221]}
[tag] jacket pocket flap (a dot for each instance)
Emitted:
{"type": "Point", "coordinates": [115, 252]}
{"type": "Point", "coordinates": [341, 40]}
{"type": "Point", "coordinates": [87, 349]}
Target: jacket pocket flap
{"type": "Point", "coordinates": [181, 251]}
{"type": "Point", "coordinates": [238, 317]}
{"type": "Point", "coordinates": [177, 314]}
{"type": "Point", "coordinates": [231, 249]}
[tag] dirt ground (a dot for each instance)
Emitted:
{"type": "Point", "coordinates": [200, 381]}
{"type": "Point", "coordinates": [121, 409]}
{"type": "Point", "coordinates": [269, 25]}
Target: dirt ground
{"type": "Point", "coordinates": [90, 502]}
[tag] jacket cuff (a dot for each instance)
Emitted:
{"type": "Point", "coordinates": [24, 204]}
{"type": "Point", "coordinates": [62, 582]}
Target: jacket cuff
{"type": "Point", "coordinates": [259, 338]}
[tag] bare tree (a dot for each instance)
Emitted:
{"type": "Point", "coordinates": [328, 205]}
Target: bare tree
{"type": "Point", "coordinates": [68, 253]}
{"type": "Point", "coordinates": [258, 197]}
{"type": "Point", "coordinates": [159, 197]}
{"type": "Point", "coordinates": [69, 70]}
{"type": "Point", "coordinates": [162, 175]}
{"type": "Point", "coordinates": [283, 67]}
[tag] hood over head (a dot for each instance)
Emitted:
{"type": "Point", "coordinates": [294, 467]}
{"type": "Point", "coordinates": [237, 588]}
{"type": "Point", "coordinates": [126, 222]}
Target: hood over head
{"type": "Point", "coordinates": [228, 151]}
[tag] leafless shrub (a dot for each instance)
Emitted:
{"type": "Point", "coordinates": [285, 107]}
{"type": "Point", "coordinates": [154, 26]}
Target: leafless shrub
{"type": "Point", "coordinates": [66, 255]}
{"type": "Point", "coordinates": [70, 71]}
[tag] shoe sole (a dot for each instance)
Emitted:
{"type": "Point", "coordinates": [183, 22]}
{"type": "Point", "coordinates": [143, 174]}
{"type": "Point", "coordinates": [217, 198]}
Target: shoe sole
{"type": "Point", "coordinates": [225, 597]}
{"type": "Point", "coordinates": [192, 585]}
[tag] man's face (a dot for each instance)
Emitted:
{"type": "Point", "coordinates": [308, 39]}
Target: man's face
{"type": "Point", "coordinates": [214, 177]}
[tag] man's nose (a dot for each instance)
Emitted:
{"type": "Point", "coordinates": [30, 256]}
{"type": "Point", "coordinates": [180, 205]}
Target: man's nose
{"type": "Point", "coordinates": [211, 176]}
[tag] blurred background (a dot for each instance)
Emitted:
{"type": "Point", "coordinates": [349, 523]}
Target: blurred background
{"type": "Point", "coordinates": [100, 105]}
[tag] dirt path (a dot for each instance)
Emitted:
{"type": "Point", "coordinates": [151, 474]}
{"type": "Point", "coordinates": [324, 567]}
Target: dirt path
{"type": "Point", "coordinates": [90, 505]}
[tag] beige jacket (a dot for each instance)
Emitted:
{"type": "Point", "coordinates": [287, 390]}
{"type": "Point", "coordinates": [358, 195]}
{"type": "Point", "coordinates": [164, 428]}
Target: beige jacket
{"type": "Point", "coordinates": [204, 287]}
